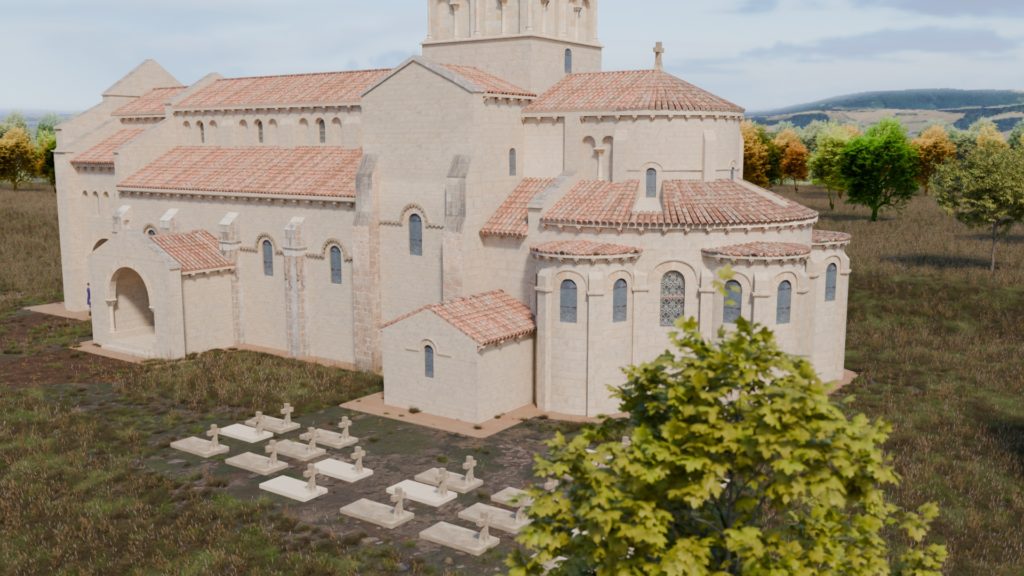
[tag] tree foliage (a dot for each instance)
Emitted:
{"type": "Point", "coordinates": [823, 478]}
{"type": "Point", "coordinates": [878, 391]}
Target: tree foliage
{"type": "Point", "coordinates": [987, 134]}
{"type": "Point", "coordinates": [880, 168]}
{"type": "Point", "coordinates": [985, 189]}
{"type": "Point", "coordinates": [825, 162]}
{"type": "Point", "coordinates": [794, 156]}
{"type": "Point", "coordinates": [18, 157]}
{"type": "Point", "coordinates": [1016, 138]}
{"type": "Point", "coordinates": [738, 464]}
{"type": "Point", "coordinates": [46, 143]}
{"type": "Point", "coordinates": [13, 120]}
{"type": "Point", "coordinates": [756, 155]}
{"type": "Point", "coordinates": [933, 148]}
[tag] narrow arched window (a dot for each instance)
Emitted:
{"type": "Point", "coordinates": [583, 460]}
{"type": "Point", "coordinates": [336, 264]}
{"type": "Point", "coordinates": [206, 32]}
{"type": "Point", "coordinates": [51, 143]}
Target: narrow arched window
{"type": "Point", "coordinates": [259, 130]}
{"type": "Point", "coordinates": [733, 302]}
{"type": "Point", "coordinates": [335, 265]}
{"type": "Point", "coordinates": [673, 298]}
{"type": "Point", "coordinates": [784, 304]}
{"type": "Point", "coordinates": [428, 361]}
{"type": "Point", "coordinates": [831, 277]}
{"type": "Point", "coordinates": [415, 235]}
{"type": "Point", "coordinates": [652, 183]}
{"type": "Point", "coordinates": [322, 127]}
{"type": "Point", "coordinates": [268, 258]}
{"type": "Point", "coordinates": [202, 132]}
{"type": "Point", "coordinates": [620, 301]}
{"type": "Point", "coordinates": [568, 302]}
{"type": "Point", "coordinates": [568, 61]}
{"type": "Point", "coordinates": [513, 167]}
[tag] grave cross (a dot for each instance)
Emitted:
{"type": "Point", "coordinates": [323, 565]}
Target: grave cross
{"type": "Point", "coordinates": [399, 499]}
{"type": "Point", "coordinates": [287, 411]}
{"type": "Point", "coordinates": [259, 423]}
{"type": "Point", "coordinates": [311, 474]}
{"type": "Point", "coordinates": [485, 527]}
{"type": "Point", "coordinates": [442, 482]}
{"type": "Point", "coordinates": [271, 448]}
{"type": "Point", "coordinates": [345, 424]}
{"type": "Point", "coordinates": [358, 455]}
{"type": "Point", "coordinates": [551, 485]}
{"type": "Point", "coordinates": [214, 434]}
{"type": "Point", "coordinates": [469, 466]}
{"type": "Point", "coordinates": [520, 514]}
{"type": "Point", "coordinates": [312, 439]}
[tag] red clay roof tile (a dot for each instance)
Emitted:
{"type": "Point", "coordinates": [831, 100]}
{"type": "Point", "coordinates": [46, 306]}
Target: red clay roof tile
{"type": "Point", "coordinates": [490, 83]}
{"type": "Point", "coordinates": [760, 251]}
{"type": "Point", "coordinates": [510, 220]}
{"type": "Point", "coordinates": [102, 154]}
{"type": "Point", "coordinates": [630, 91]}
{"type": "Point", "coordinates": [196, 251]}
{"type": "Point", "coordinates": [488, 318]}
{"type": "Point", "coordinates": [317, 171]}
{"type": "Point", "coordinates": [324, 89]}
{"type": "Point", "coordinates": [584, 248]}
{"type": "Point", "coordinates": [829, 238]}
{"type": "Point", "coordinates": [152, 103]}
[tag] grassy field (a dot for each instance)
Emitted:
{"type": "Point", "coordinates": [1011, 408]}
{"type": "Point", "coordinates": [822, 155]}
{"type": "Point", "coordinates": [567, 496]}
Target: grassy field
{"type": "Point", "coordinates": [936, 338]}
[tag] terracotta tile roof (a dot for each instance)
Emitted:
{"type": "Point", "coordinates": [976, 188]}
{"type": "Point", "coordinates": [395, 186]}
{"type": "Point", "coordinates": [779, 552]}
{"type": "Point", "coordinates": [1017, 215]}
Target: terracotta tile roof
{"type": "Point", "coordinates": [196, 251]}
{"type": "Point", "coordinates": [102, 154]}
{"type": "Point", "coordinates": [324, 89]}
{"type": "Point", "coordinates": [152, 103]}
{"type": "Point", "coordinates": [489, 83]}
{"type": "Point", "coordinates": [636, 90]}
{"type": "Point", "coordinates": [488, 318]}
{"type": "Point", "coordinates": [510, 218]}
{"type": "Point", "coordinates": [760, 251]}
{"type": "Point", "coordinates": [685, 204]}
{"type": "Point", "coordinates": [583, 248]}
{"type": "Point", "coordinates": [320, 171]}
{"type": "Point", "coordinates": [828, 238]}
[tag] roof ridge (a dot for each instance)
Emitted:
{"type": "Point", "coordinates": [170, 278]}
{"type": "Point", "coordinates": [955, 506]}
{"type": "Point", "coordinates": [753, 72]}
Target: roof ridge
{"type": "Point", "coordinates": [303, 74]}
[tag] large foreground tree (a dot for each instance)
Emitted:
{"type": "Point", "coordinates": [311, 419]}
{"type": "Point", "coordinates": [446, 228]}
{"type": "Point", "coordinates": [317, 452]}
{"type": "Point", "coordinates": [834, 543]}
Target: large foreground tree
{"type": "Point", "coordinates": [985, 189]}
{"type": "Point", "coordinates": [880, 168]}
{"type": "Point", "coordinates": [737, 463]}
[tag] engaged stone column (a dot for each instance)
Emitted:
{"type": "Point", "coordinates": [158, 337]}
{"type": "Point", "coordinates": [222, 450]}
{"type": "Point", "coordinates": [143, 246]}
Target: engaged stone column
{"type": "Point", "coordinates": [230, 244]}
{"type": "Point", "coordinates": [366, 312]}
{"type": "Point", "coordinates": [295, 287]}
{"type": "Point", "coordinates": [454, 217]}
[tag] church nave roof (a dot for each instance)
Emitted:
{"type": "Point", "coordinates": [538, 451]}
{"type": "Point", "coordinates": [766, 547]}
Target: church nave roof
{"type": "Point", "coordinates": [320, 89]}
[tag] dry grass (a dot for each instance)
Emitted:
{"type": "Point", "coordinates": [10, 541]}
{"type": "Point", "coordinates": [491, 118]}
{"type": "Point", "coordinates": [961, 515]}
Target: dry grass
{"type": "Point", "coordinates": [29, 250]}
{"type": "Point", "coordinates": [938, 343]}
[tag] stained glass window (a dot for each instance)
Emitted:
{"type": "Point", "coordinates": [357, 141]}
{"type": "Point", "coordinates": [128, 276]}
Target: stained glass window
{"type": "Point", "coordinates": [673, 298]}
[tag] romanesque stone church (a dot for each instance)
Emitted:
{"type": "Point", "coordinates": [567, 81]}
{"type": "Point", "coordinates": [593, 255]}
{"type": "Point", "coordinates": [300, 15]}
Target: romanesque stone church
{"type": "Point", "coordinates": [493, 223]}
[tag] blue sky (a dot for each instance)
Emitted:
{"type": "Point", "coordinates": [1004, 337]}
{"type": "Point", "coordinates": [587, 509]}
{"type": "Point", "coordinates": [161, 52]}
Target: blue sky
{"type": "Point", "coordinates": [759, 53]}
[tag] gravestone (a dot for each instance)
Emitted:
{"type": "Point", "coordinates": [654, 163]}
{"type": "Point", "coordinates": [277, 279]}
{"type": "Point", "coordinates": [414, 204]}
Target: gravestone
{"type": "Point", "coordinates": [345, 471]}
{"type": "Point", "coordinates": [382, 515]}
{"type": "Point", "coordinates": [504, 520]}
{"type": "Point", "coordinates": [512, 497]}
{"type": "Point", "coordinates": [333, 439]}
{"type": "Point", "coordinates": [276, 425]}
{"type": "Point", "coordinates": [258, 464]}
{"type": "Point", "coordinates": [200, 447]}
{"type": "Point", "coordinates": [461, 483]}
{"type": "Point", "coordinates": [462, 539]}
{"type": "Point", "coordinates": [299, 451]}
{"type": "Point", "coordinates": [245, 433]}
{"type": "Point", "coordinates": [423, 493]}
{"type": "Point", "coordinates": [295, 489]}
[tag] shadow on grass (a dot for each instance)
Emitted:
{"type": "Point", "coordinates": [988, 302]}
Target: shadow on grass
{"type": "Point", "coordinates": [941, 261]}
{"type": "Point", "coordinates": [1011, 239]}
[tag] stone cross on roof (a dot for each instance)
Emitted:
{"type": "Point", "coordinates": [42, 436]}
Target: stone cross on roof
{"type": "Point", "coordinates": [311, 474]}
{"type": "Point", "coordinates": [271, 448]}
{"type": "Point", "coordinates": [214, 434]}
{"type": "Point", "coordinates": [345, 424]}
{"type": "Point", "coordinates": [358, 455]}
{"type": "Point", "coordinates": [399, 499]}
{"type": "Point", "coordinates": [287, 411]}
{"type": "Point", "coordinates": [469, 466]}
{"type": "Point", "coordinates": [659, 52]}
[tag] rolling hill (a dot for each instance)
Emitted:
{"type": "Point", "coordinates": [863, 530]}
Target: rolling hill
{"type": "Point", "coordinates": [915, 108]}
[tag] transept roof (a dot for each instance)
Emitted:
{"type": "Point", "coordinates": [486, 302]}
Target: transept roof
{"type": "Point", "coordinates": [510, 220]}
{"type": "Point", "coordinates": [102, 154]}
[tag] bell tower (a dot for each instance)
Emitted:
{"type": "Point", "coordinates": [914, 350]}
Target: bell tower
{"type": "Point", "coordinates": [531, 43]}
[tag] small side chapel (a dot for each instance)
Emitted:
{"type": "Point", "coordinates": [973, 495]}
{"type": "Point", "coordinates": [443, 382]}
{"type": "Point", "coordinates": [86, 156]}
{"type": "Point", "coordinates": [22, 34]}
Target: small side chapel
{"type": "Point", "coordinates": [493, 223]}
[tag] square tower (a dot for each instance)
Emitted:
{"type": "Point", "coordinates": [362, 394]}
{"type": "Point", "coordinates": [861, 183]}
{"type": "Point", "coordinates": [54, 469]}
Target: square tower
{"type": "Point", "coordinates": [531, 43]}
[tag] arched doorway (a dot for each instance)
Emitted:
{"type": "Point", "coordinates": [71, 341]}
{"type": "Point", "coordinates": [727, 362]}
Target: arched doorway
{"type": "Point", "coordinates": [132, 314]}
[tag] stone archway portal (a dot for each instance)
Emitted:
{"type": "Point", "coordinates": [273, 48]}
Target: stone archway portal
{"type": "Point", "coordinates": [132, 313]}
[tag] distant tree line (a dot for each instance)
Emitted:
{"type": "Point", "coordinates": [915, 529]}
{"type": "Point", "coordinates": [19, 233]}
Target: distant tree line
{"type": "Point", "coordinates": [24, 156]}
{"type": "Point", "coordinates": [976, 175]}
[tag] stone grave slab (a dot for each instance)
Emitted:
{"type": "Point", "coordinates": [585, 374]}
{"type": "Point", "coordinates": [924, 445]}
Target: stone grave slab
{"type": "Point", "coordinates": [376, 513]}
{"type": "Point", "coordinates": [331, 439]}
{"type": "Point", "coordinates": [245, 433]}
{"type": "Point", "coordinates": [292, 488]}
{"type": "Point", "coordinates": [275, 425]}
{"type": "Point", "coordinates": [299, 451]}
{"type": "Point", "coordinates": [500, 518]}
{"type": "Point", "coordinates": [456, 482]}
{"type": "Point", "coordinates": [200, 447]}
{"type": "Point", "coordinates": [423, 493]}
{"type": "Point", "coordinates": [256, 464]}
{"type": "Point", "coordinates": [512, 497]}
{"type": "Point", "coordinates": [342, 470]}
{"type": "Point", "coordinates": [459, 538]}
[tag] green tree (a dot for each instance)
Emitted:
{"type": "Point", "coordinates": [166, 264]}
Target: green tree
{"type": "Point", "coordinates": [825, 163]}
{"type": "Point", "coordinates": [18, 157]}
{"type": "Point", "coordinates": [933, 148]}
{"type": "Point", "coordinates": [1016, 137]}
{"type": "Point", "coordinates": [47, 123]}
{"type": "Point", "coordinates": [46, 143]}
{"type": "Point", "coordinates": [13, 120]}
{"type": "Point", "coordinates": [985, 189]}
{"type": "Point", "coordinates": [986, 133]}
{"type": "Point", "coordinates": [738, 464]}
{"type": "Point", "coordinates": [880, 168]}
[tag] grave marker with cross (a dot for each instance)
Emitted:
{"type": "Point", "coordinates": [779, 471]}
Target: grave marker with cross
{"type": "Point", "coordinates": [287, 412]}
{"type": "Point", "coordinates": [442, 482]}
{"type": "Point", "coordinates": [345, 424]}
{"type": "Point", "coordinates": [399, 499]}
{"type": "Point", "coordinates": [214, 434]}
{"type": "Point", "coordinates": [469, 467]}
{"type": "Point", "coordinates": [312, 439]}
{"type": "Point", "coordinates": [311, 474]}
{"type": "Point", "coordinates": [259, 423]}
{"type": "Point", "coordinates": [485, 527]}
{"type": "Point", "coordinates": [358, 455]}
{"type": "Point", "coordinates": [271, 448]}
{"type": "Point", "coordinates": [520, 514]}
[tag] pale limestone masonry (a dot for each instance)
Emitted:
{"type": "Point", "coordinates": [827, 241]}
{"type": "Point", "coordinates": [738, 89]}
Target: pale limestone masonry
{"type": "Point", "coordinates": [425, 221]}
